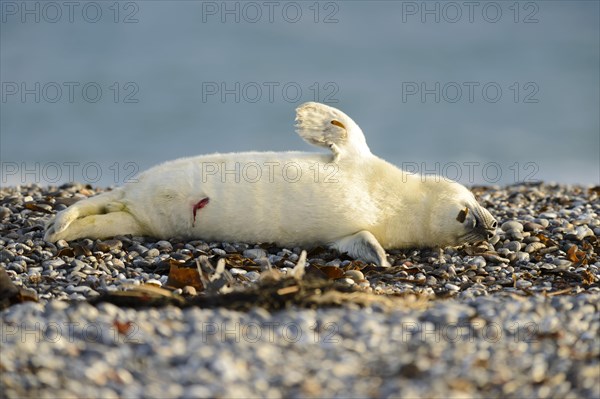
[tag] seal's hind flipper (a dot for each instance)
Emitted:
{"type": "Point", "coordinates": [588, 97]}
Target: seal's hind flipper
{"type": "Point", "coordinates": [97, 226]}
{"type": "Point", "coordinates": [107, 202]}
{"type": "Point", "coordinates": [325, 126]}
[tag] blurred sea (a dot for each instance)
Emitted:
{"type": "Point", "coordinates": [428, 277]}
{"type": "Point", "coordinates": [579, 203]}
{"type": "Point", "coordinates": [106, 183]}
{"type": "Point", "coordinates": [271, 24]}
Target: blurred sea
{"type": "Point", "coordinates": [494, 93]}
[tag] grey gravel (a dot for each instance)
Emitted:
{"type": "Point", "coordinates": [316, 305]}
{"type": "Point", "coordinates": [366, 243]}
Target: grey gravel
{"type": "Point", "coordinates": [515, 317]}
{"type": "Point", "coordinates": [498, 345]}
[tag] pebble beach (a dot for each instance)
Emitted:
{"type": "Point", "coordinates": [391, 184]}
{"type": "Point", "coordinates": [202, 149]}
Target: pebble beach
{"type": "Point", "coordinates": [139, 317]}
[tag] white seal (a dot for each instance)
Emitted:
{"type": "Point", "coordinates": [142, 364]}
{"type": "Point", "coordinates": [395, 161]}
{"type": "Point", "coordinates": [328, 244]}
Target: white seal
{"type": "Point", "coordinates": [352, 200]}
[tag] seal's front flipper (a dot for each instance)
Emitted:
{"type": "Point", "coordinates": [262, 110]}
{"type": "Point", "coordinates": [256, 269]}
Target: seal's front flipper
{"type": "Point", "coordinates": [363, 246]}
{"type": "Point", "coordinates": [325, 126]}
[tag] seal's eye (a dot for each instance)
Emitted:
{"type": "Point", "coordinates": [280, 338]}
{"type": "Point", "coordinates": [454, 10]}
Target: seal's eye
{"type": "Point", "coordinates": [462, 215]}
{"type": "Point", "coordinates": [338, 123]}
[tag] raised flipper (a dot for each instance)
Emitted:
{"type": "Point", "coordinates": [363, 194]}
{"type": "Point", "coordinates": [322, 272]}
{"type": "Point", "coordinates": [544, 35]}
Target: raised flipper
{"type": "Point", "coordinates": [325, 126]}
{"type": "Point", "coordinates": [363, 246]}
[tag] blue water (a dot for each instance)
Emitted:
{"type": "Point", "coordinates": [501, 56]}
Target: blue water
{"type": "Point", "coordinates": [482, 97]}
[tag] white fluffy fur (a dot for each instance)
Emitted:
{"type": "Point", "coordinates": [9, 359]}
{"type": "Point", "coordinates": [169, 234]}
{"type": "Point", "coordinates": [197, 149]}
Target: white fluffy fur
{"type": "Point", "coordinates": [353, 201]}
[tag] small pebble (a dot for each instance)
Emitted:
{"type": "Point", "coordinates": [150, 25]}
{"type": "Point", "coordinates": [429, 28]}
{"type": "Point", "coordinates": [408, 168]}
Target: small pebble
{"type": "Point", "coordinates": [164, 246]}
{"type": "Point", "coordinates": [255, 253]}
{"type": "Point", "coordinates": [512, 225]}
{"type": "Point", "coordinates": [452, 287]}
{"type": "Point", "coordinates": [4, 212]}
{"type": "Point", "coordinates": [252, 276]}
{"type": "Point", "coordinates": [534, 246]}
{"type": "Point", "coordinates": [355, 275]}
{"type": "Point", "coordinates": [189, 290]}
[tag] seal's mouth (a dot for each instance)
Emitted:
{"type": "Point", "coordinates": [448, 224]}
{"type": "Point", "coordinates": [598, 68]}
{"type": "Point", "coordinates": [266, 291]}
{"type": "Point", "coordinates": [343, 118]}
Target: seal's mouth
{"type": "Point", "coordinates": [480, 226]}
{"type": "Point", "coordinates": [475, 236]}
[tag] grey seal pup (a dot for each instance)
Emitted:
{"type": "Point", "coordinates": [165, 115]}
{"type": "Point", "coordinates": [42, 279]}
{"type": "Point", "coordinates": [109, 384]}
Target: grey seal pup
{"type": "Point", "coordinates": [347, 199]}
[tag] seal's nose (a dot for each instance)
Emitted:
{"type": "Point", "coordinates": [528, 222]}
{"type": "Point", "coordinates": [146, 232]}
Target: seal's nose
{"type": "Point", "coordinates": [491, 231]}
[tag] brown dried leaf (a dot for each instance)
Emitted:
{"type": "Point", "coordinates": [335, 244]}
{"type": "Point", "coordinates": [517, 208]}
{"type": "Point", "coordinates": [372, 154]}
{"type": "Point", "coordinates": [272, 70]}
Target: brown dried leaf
{"type": "Point", "coordinates": [26, 295]}
{"type": "Point", "coordinates": [313, 271]}
{"type": "Point", "coordinates": [11, 294]}
{"type": "Point", "coordinates": [332, 272]}
{"type": "Point", "coordinates": [475, 250]}
{"type": "Point", "coordinates": [575, 255]}
{"type": "Point", "coordinates": [69, 252]}
{"type": "Point", "coordinates": [141, 296]}
{"type": "Point", "coordinates": [595, 190]}
{"type": "Point", "coordinates": [317, 252]}
{"type": "Point", "coordinates": [588, 277]}
{"type": "Point", "coordinates": [237, 260]}
{"type": "Point", "coordinates": [288, 290]}
{"type": "Point", "coordinates": [180, 276]}
{"type": "Point", "coordinates": [151, 290]}
{"type": "Point", "coordinates": [122, 327]}
{"type": "Point", "coordinates": [66, 201]}
{"type": "Point", "coordinates": [36, 208]}
{"type": "Point", "coordinates": [545, 240]}
{"type": "Point", "coordinates": [81, 250]}
{"type": "Point", "coordinates": [413, 270]}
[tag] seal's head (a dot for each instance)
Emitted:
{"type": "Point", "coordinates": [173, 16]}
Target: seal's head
{"type": "Point", "coordinates": [476, 223]}
{"type": "Point", "coordinates": [462, 219]}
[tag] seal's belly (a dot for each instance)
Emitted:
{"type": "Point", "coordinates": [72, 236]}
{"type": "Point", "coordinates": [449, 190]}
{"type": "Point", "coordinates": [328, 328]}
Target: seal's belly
{"type": "Point", "coordinates": [287, 198]}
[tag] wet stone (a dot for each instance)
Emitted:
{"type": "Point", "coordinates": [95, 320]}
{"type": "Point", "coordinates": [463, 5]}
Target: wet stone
{"type": "Point", "coordinates": [252, 276]}
{"type": "Point", "coordinates": [515, 235]}
{"type": "Point", "coordinates": [218, 251]}
{"type": "Point", "coordinates": [355, 275]}
{"type": "Point", "coordinates": [512, 226]}
{"type": "Point", "coordinates": [235, 271]}
{"type": "Point", "coordinates": [6, 256]}
{"type": "Point", "coordinates": [109, 245]}
{"type": "Point", "coordinates": [451, 287]}
{"type": "Point", "coordinates": [4, 212]}
{"type": "Point", "coordinates": [513, 246]}
{"type": "Point", "coordinates": [255, 253]}
{"type": "Point", "coordinates": [164, 246]}
{"type": "Point", "coordinates": [77, 265]}
{"type": "Point", "coordinates": [531, 226]}
{"type": "Point", "coordinates": [229, 248]}
{"type": "Point", "coordinates": [523, 284]}
{"type": "Point", "coordinates": [17, 267]}
{"type": "Point", "coordinates": [534, 246]}
{"type": "Point", "coordinates": [151, 253]}
{"type": "Point", "coordinates": [154, 282]}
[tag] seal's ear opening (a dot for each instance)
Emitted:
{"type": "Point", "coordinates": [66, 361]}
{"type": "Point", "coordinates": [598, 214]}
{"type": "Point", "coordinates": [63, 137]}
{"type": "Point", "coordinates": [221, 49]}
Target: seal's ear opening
{"type": "Point", "coordinates": [462, 215]}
